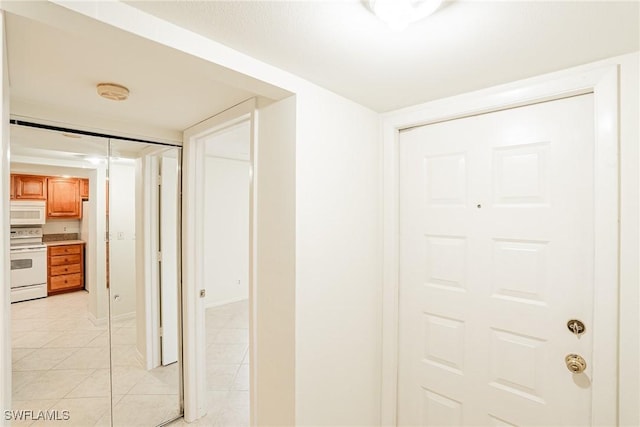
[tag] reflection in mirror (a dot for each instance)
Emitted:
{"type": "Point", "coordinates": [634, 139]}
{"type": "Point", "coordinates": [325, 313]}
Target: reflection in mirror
{"type": "Point", "coordinates": [226, 197]}
{"type": "Point", "coordinates": [60, 339]}
{"type": "Point", "coordinates": [144, 295]}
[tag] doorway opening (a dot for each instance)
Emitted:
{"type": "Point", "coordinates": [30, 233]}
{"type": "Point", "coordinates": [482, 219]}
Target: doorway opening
{"type": "Point", "coordinates": [226, 275]}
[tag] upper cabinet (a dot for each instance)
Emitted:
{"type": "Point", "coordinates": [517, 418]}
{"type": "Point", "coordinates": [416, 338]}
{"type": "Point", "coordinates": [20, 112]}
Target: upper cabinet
{"type": "Point", "coordinates": [63, 198]}
{"type": "Point", "coordinates": [84, 188]}
{"type": "Point", "coordinates": [30, 187]}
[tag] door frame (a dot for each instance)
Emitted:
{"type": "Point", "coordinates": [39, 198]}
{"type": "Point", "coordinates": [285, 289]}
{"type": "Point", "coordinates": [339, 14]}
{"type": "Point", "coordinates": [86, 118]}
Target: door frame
{"type": "Point", "coordinates": [5, 267]}
{"type": "Point", "coordinates": [603, 82]}
{"type": "Point", "coordinates": [194, 330]}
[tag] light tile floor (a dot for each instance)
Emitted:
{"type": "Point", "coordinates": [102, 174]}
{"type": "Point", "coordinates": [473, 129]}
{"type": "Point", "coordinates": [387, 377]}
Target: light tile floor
{"type": "Point", "coordinates": [61, 362]}
{"type": "Point", "coordinates": [227, 367]}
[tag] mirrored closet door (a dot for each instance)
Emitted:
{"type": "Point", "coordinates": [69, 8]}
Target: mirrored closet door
{"type": "Point", "coordinates": [96, 341]}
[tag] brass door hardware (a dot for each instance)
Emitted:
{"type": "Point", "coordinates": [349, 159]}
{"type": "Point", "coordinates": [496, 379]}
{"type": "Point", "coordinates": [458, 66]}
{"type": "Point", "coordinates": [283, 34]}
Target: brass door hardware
{"type": "Point", "coordinates": [576, 326]}
{"type": "Point", "coordinates": [575, 363]}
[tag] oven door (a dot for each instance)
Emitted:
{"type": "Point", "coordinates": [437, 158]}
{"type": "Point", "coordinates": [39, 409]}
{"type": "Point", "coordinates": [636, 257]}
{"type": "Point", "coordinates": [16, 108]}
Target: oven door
{"type": "Point", "coordinates": [28, 267]}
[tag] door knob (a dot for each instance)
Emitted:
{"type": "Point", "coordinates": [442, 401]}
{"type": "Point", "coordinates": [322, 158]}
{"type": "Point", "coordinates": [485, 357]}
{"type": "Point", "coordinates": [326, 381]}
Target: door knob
{"type": "Point", "coordinates": [575, 363]}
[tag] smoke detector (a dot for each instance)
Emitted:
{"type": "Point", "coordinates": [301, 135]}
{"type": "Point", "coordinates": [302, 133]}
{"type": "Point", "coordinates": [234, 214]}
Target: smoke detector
{"type": "Point", "coordinates": [112, 91]}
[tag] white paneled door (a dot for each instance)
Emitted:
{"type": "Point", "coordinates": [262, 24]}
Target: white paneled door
{"type": "Point", "coordinates": [496, 257]}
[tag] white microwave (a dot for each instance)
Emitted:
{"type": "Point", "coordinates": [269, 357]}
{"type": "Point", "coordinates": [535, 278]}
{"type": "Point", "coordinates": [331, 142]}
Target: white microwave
{"type": "Point", "coordinates": [28, 212]}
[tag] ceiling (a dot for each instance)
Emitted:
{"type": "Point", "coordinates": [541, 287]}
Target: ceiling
{"type": "Point", "coordinates": [53, 73]}
{"type": "Point", "coordinates": [339, 45]}
{"type": "Point", "coordinates": [466, 45]}
{"type": "Point", "coordinates": [34, 144]}
{"type": "Point", "coordinates": [29, 142]}
{"type": "Point", "coordinates": [55, 63]}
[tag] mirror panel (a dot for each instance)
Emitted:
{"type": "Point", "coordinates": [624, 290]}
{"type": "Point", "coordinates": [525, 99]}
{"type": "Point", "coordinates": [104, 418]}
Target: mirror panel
{"type": "Point", "coordinates": [101, 345]}
{"type": "Point", "coordinates": [60, 345]}
{"type": "Point", "coordinates": [144, 294]}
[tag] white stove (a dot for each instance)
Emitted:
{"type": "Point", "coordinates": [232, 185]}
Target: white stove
{"type": "Point", "coordinates": [28, 264]}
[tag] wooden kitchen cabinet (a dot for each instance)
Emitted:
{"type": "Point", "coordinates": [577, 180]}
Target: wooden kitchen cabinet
{"type": "Point", "coordinates": [63, 198]}
{"type": "Point", "coordinates": [84, 188]}
{"type": "Point", "coordinates": [65, 268]}
{"type": "Point", "coordinates": [29, 187]}
{"type": "Point", "coordinates": [63, 195]}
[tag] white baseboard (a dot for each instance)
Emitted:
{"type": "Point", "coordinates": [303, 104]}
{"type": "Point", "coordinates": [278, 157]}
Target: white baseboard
{"type": "Point", "coordinates": [103, 320]}
{"type": "Point", "coordinates": [124, 316]}
{"type": "Point", "coordinates": [225, 302]}
{"type": "Point", "coordinates": [140, 359]}
{"type": "Point", "coordinates": [97, 322]}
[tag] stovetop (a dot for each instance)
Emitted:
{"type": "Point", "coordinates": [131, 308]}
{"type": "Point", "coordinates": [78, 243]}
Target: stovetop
{"type": "Point", "coordinates": [21, 237]}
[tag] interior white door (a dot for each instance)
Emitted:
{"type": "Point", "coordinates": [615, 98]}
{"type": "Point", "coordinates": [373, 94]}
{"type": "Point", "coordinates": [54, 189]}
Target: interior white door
{"type": "Point", "coordinates": [496, 256]}
{"type": "Point", "coordinates": [169, 206]}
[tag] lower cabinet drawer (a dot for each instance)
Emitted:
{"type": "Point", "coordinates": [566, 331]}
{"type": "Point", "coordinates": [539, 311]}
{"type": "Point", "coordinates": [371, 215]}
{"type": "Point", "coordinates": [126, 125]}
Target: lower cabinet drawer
{"type": "Point", "coordinates": [65, 269]}
{"type": "Point", "coordinates": [65, 250]}
{"type": "Point", "coordinates": [65, 281]}
{"type": "Point", "coordinates": [63, 260]}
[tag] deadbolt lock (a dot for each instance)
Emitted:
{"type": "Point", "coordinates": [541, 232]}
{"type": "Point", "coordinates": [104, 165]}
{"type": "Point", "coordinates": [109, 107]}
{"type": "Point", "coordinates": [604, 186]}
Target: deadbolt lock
{"type": "Point", "coordinates": [575, 363]}
{"type": "Point", "coordinates": [576, 326]}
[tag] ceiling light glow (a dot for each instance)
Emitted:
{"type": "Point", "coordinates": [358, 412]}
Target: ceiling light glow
{"type": "Point", "coordinates": [398, 14]}
{"type": "Point", "coordinates": [94, 160]}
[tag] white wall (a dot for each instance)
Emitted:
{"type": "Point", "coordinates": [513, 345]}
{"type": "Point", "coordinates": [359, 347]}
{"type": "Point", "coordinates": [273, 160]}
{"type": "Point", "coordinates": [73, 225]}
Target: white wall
{"type": "Point", "coordinates": [60, 226]}
{"type": "Point", "coordinates": [226, 230]}
{"type": "Point", "coordinates": [95, 249]}
{"type": "Point", "coordinates": [122, 229]}
{"type": "Point", "coordinates": [274, 369]}
{"type": "Point", "coordinates": [49, 166]}
{"type": "Point", "coordinates": [338, 262]}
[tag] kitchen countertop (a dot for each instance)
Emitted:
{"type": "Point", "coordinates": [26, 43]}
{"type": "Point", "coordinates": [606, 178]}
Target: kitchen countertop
{"type": "Point", "coordinates": [65, 242]}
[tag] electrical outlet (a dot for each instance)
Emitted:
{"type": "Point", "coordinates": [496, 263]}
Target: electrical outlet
{"type": "Point", "coordinates": [64, 228]}
{"type": "Point", "coordinates": [239, 282]}
{"type": "Point", "coordinates": [120, 235]}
